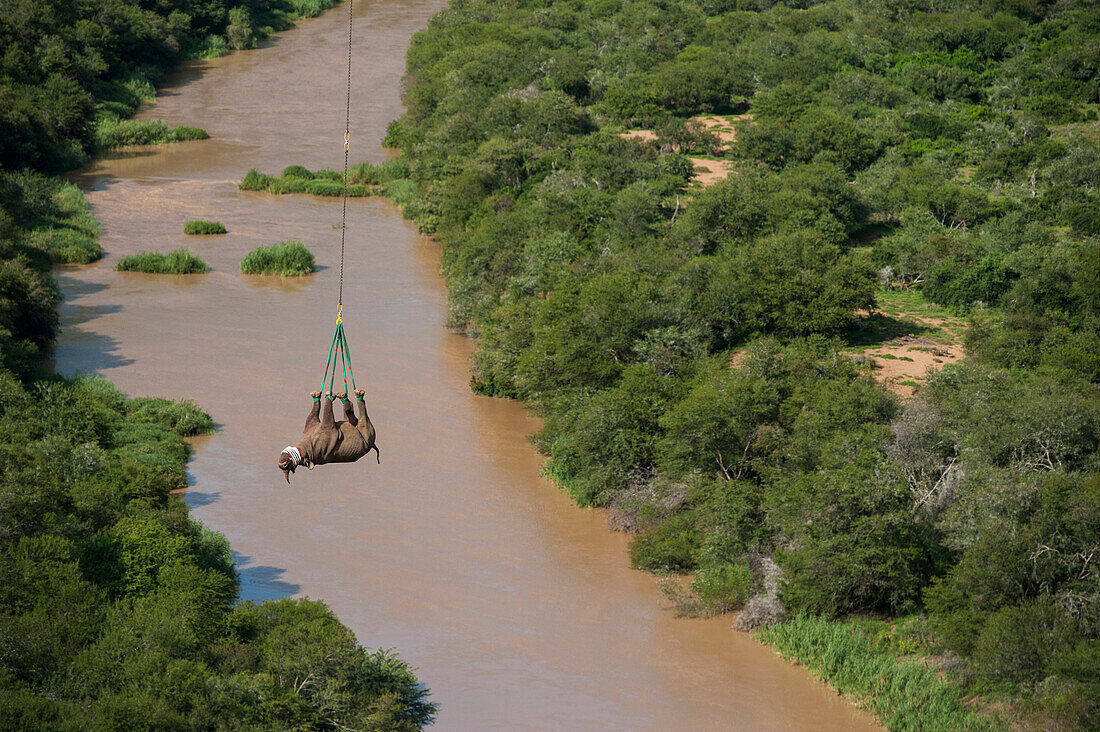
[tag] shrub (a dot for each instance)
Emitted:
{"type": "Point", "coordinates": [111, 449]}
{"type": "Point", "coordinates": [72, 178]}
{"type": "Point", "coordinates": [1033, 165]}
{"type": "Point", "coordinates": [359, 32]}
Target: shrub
{"type": "Point", "coordinates": [289, 259]}
{"type": "Point", "coordinates": [670, 547]}
{"type": "Point", "coordinates": [180, 261]}
{"type": "Point", "coordinates": [723, 587]}
{"type": "Point", "coordinates": [203, 227]}
{"type": "Point", "coordinates": [401, 191]}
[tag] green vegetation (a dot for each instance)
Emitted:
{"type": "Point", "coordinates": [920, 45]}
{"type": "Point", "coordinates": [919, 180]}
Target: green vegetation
{"type": "Point", "coordinates": [179, 261]}
{"type": "Point", "coordinates": [203, 228]}
{"type": "Point", "coordinates": [43, 219]}
{"type": "Point", "coordinates": [111, 133]}
{"type": "Point", "coordinates": [117, 610]}
{"type": "Point", "coordinates": [289, 259]}
{"type": "Point", "coordinates": [905, 695]}
{"type": "Point", "coordinates": [71, 73]}
{"type": "Point", "coordinates": [946, 157]}
{"type": "Point", "coordinates": [297, 179]}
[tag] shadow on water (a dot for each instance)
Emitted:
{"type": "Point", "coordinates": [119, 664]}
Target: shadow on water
{"type": "Point", "coordinates": [97, 352]}
{"type": "Point", "coordinates": [83, 313]}
{"type": "Point", "coordinates": [195, 499]}
{"type": "Point", "coordinates": [260, 582]}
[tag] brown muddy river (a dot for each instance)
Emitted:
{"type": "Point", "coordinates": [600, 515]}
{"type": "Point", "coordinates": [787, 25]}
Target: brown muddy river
{"type": "Point", "coordinates": [518, 610]}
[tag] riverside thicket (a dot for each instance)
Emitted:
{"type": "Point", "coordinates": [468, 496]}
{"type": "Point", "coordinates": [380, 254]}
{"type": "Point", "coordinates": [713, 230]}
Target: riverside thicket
{"type": "Point", "coordinates": [116, 609]}
{"type": "Point", "coordinates": [688, 347]}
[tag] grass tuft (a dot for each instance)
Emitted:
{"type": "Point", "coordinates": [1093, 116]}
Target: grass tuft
{"type": "Point", "coordinates": [904, 695]}
{"type": "Point", "coordinates": [297, 179]}
{"type": "Point", "coordinates": [112, 133]}
{"type": "Point", "coordinates": [289, 259]}
{"type": "Point", "coordinates": [180, 261]}
{"type": "Point", "coordinates": [203, 228]}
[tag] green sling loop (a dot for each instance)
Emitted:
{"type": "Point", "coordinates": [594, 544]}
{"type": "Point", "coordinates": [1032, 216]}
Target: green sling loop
{"type": "Point", "coordinates": [338, 353]}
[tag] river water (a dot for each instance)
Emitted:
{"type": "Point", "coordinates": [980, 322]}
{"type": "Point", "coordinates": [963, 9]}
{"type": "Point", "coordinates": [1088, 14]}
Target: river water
{"type": "Point", "coordinates": [517, 609]}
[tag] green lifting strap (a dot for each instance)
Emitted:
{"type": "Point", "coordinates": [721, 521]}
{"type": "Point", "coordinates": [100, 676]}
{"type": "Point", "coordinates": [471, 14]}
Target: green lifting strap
{"type": "Point", "coordinates": [339, 353]}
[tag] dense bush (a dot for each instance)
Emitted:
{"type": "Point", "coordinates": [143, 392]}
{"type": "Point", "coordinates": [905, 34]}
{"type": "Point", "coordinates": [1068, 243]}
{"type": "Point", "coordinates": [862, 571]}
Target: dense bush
{"type": "Point", "coordinates": [203, 227]}
{"type": "Point", "coordinates": [73, 73]}
{"type": "Point", "coordinates": [289, 259]}
{"type": "Point", "coordinates": [906, 146]}
{"type": "Point", "coordinates": [179, 261]}
{"type": "Point", "coordinates": [116, 609]}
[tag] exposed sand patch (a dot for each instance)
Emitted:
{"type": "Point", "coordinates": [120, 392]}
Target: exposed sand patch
{"type": "Point", "coordinates": [643, 135]}
{"type": "Point", "coordinates": [905, 361]}
{"type": "Point", "coordinates": [709, 172]}
{"type": "Point", "coordinates": [902, 364]}
{"type": "Point", "coordinates": [721, 127]}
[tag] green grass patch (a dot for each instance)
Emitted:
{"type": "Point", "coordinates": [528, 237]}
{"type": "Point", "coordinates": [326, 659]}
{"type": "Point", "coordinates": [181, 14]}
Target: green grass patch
{"type": "Point", "coordinates": [297, 179]}
{"type": "Point", "coordinates": [203, 228]}
{"type": "Point", "coordinates": [910, 302]}
{"type": "Point", "coordinates": [289, 259]}
{"type": "Point", "coordinates": [902, 694]}
{"type": "Point", "coordinates": [112, 132]}
{"type": "Point", "coordinates": [68, 234]}
{"type": "Point", "coordinates": [180, 261]}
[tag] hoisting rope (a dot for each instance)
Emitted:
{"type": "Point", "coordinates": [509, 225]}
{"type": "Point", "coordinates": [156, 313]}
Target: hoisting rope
{"type": "Point", "coordinates": [339, 350]}
{"type": "Point", "coordinates": [347, 150]}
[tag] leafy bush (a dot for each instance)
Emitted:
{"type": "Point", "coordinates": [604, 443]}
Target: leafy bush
{"type": "Point", "coordinates": [289, 259]}
{"type": "Point", "coordinates": [723, 587]}
{"type": "Point", "coordinates": [179, 261]}
{"type": "Point", "coordinates": [668, 547]}
{"type": "Point", "coordinates": [203, 227]}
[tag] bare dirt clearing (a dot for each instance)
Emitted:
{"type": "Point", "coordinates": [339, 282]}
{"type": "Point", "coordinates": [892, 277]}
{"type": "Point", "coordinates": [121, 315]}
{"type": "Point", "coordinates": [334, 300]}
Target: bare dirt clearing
{"type": "Point", "coordinates": [905, 339]}
{"type": "Point", "coordinates": [708, 171]}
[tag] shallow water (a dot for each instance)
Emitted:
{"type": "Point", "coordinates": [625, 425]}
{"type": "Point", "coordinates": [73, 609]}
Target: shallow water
{"type": "Point", "coordinates": [518, 609]}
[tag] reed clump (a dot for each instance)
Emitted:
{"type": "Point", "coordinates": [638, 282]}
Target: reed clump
{"type": "Point", "coordinates": [203, 228]}
{"type": "Point", "coordinates": [288, 258]}
{"type": "Point", "coordinates": [112, 132]}
{"type": "Point", "coordinates": [903, 694]}
{"type": "Point", "coordinates": [297, 179]}
{"type": "Point", "coordinates": [180, 261]}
